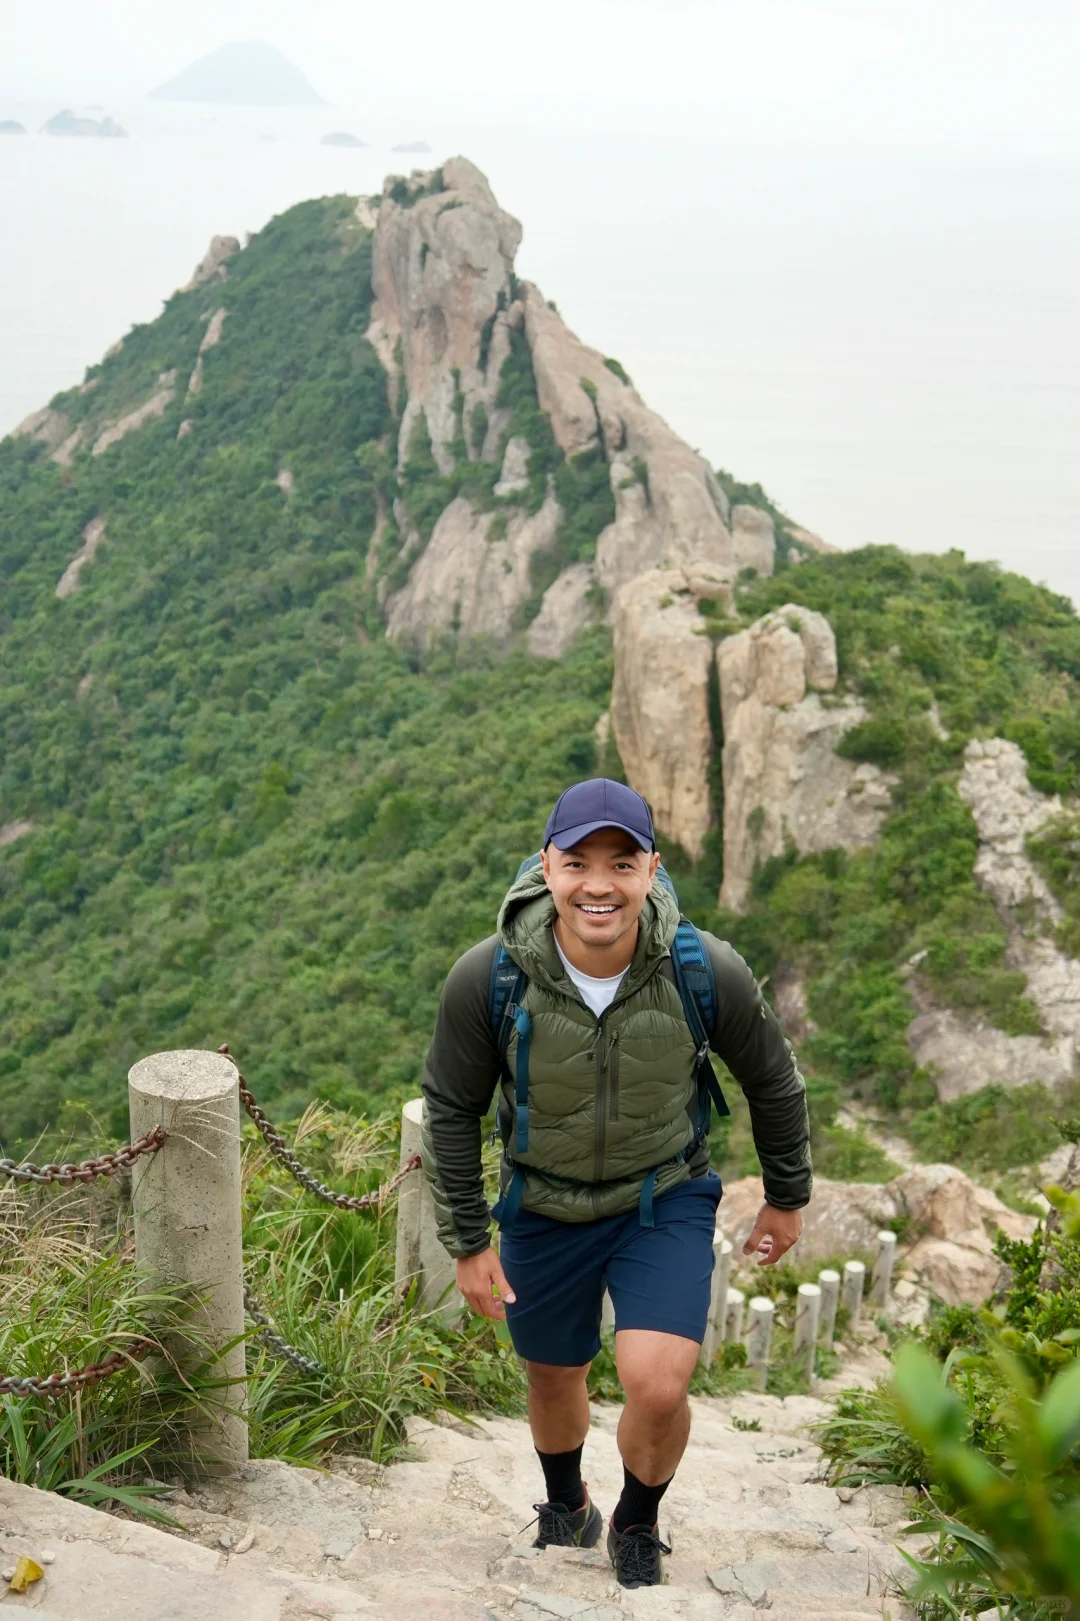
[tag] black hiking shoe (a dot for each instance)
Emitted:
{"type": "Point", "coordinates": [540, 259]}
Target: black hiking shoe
{"type": "Point", "coordinates": [560, 1527]}
{"type": "Point", "coordinates": [635, 1553]}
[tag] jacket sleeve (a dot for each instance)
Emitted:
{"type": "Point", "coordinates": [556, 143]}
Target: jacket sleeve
{"type": "Point", "coordinates": [751, 1043]}
{"type": "Point", "coordinates": [460, 1077]}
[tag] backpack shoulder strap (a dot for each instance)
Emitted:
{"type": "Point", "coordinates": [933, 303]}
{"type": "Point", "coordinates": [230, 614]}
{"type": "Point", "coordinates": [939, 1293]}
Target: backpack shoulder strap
{"type": "Point", "coordinates": [506, 987]}
{"type": "Point", "coordinates": [696, 985]}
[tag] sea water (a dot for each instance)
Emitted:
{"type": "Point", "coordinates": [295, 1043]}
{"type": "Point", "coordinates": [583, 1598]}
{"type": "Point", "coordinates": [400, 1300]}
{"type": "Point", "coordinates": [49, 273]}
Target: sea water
{"type": "Point", "coordinates": [889, 341]}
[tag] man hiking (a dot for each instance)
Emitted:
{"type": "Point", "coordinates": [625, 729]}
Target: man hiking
{"type": "Point", "coordinates": [584, 1006]}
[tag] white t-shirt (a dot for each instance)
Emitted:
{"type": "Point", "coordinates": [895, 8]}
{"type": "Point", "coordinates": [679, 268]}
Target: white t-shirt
{"type": "Point", "coordinates": [597, 994]}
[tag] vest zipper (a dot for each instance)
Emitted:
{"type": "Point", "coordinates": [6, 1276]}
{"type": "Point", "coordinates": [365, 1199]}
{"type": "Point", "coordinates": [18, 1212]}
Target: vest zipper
{"type": "Point", "coordinates": [613, 1075]}
{"type": "Point", "coordinates": [601, 1111]}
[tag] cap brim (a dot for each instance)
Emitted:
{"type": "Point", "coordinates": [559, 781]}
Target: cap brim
{"type": "Point", "coordinates": [567, 838]}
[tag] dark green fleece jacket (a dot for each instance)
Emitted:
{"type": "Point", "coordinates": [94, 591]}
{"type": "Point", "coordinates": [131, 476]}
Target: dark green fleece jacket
{"type": "Point", "coordinates": [610, 1099]}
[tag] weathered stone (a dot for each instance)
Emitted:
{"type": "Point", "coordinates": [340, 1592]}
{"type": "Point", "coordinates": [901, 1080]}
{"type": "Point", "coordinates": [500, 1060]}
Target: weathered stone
{"type": "Point", "coordinates": [956, 1273]}
{"type": "Point", "coordinates": [10, 831]}
{"type": "Point", "coordinates": [155, 406]}
{"type": "Point", "coordinates": [783, 780]}
{"type": "Point", "coordinates": [213, 264]}
{"type": "Point", "coordinates": [465, 583]}
{"type": "Point", "coordinates": [753, 537]}
{"type": "Point", "coordinates": [964, 1053]}
{"type": "Point", "coordinates": [660, 704]}
{"type": "Point", "coordinates": [70, 580]}
{"type": "Point", "coordinates": [567, 608]}
{"type": "Point", "coordinates": [515, 467]}
{"type": "Point", "coordinates": [211, 339]}
{"type": "Point", "coordinates": [842, 1219]}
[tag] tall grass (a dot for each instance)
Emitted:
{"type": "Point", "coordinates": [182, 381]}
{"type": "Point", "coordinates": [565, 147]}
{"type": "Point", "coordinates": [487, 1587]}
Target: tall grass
{"type": "Point", "coordinates": [70, 1293]}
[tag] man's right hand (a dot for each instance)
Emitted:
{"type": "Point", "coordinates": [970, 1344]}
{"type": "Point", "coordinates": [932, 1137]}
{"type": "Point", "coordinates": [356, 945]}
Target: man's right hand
{"type": "Point", "coordinates": [482, 1281]}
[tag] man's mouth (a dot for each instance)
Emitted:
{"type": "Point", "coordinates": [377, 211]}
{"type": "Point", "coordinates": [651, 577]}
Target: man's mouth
{"type": "Point", "coordinates": [605, 909]}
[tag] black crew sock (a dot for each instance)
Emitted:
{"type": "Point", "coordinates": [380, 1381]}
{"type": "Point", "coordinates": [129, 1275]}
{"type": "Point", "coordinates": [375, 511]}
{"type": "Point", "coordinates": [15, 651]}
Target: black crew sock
{"type": "Point", "coordinates": [639, 1504]}
{"type": "Point", "coordinates": [562, 1477]}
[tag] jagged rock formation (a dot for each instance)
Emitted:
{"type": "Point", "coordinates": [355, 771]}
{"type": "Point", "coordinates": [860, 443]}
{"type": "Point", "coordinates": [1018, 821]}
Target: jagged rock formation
{"type": "Point", "coordinates": [660, 702]}
{"type": "Point", "coordinates": [783, 780]}
{"type": "Point", "coordinates": [214, 263]}
{"type": "Point", "coordinates": [448, 311]}
{"type": "Point", "coordinates": [70, 580]}
{"type": "Point", "coordinates": [965, 1054]}
{"type": "Point", "coordinates": [755, 1533]}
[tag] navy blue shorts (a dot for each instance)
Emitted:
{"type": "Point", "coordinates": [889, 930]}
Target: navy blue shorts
{"type": "Point", "coordinates": [658, 1277]}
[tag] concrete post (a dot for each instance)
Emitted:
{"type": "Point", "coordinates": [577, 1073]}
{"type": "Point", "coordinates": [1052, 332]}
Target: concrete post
{"type": "Point", "coordinates": [851, 1297]}
{"type": "Point", "coordinates": [829, 1284]}
{"type": "Point", "coordinates": [186, 1204]}
{"type": "Point", "coordinates": [807, 1315]}
{"type": "Point", "coordinates": [881, 1277]}
{"type": "Point", "coordinates": [733, 1315]}
{"type": "Point", "coordinates": [758, 1334]}
{"type": "Point", "coordinates": [721, 1278]}
{"type": "Point", "coordinates": [419, 1253]}
{"type": "Point", "coordinates": [607, 1314]}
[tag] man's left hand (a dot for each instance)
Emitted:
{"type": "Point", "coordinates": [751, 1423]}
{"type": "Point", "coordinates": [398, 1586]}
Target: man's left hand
{"type": "Point", "coordinates": [773, 1234]}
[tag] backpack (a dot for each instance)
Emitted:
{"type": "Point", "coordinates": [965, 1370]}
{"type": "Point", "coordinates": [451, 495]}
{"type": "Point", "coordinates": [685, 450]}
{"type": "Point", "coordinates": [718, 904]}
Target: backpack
{"type": "Point", "coordinates": [696, 985]}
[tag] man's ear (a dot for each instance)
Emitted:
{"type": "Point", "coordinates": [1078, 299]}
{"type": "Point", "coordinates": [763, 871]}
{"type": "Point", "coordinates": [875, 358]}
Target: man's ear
{"type": "Point", "coordinates": [654, 862]}
{"type": "Point", "coordinates": [545, 863]}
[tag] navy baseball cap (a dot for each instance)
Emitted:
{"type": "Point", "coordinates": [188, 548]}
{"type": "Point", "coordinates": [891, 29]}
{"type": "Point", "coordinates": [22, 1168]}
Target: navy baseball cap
{"type": "Point", "coordinates": [588, 806]}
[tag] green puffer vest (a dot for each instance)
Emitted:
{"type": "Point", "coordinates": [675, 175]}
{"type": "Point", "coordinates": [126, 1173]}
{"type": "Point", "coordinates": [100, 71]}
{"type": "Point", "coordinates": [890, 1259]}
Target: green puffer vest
{"type": "Point", "coordinates": [610, 1099]}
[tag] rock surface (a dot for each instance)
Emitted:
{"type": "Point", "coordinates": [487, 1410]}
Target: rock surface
{"type": "Point", "coordinates": [156, 406]}
{"type": "Point", "coordinates": [660, 702]}
{"type": "Point", "coordinates": [71, 579]}
{"type": "Point", "coordinates": [10, 831]}
{"type": "Point", "coordinates": [213, 264]}
{"type": "Point", "coordinates": [965, 1053]}
{"type": "Point", "coordinates": [465, 583]}
{"type": "Point", "coordinates": [754, 1530]}
{"type": "Point", "coordinates": [211, 339]}
{"type": "Point", "coordinates": [566, 609]}
{"type": "Point", "coordinates": [783, 780]}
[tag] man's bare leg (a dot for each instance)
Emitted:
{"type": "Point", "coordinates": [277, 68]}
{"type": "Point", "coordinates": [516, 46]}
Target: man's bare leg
{"type": "Point", "coordinates": [558, 1406]}
{"type": "Point", "coordinates": [655, 1371]}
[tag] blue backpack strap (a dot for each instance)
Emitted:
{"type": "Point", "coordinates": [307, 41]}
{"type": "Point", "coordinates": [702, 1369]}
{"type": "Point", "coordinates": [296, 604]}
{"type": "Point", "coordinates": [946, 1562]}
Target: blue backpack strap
{"type": "Point", "coordinates": [506, 988]}
{"type": "Point", "coordinates": [696, 985]}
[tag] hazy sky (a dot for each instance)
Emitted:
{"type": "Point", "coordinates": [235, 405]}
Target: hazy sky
{"type": "Point", "coordinates": [969, 72]}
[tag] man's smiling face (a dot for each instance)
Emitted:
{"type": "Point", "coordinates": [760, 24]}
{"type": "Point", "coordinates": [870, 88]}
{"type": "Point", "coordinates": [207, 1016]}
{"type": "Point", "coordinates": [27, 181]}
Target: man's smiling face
{"type": "Point", "coordinates": [599, 886]}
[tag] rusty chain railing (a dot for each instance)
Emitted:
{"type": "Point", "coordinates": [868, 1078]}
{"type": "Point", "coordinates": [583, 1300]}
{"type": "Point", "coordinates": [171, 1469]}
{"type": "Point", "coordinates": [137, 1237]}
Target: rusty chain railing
{"type": "Point", "coordinates": [88, 1169]}
{"type": "Point", "coordinates": [123, 1158]}
{"type": "Point", "coordinates": [276, 1144]}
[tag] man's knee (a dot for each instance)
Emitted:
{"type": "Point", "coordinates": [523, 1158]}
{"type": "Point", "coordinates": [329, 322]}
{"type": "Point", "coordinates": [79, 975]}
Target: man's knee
{"type": "Point", "coordinates": [655, 1371]}
{"type": "Point", "coordinates": [546, 1379]}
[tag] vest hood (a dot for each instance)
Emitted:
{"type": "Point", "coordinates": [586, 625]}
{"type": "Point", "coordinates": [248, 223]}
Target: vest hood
{"type": "Point", "coordinates": [528, 912]}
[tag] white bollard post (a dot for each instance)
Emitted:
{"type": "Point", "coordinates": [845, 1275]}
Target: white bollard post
{"type": "Point", "coordinates": [721, 1278]}
{"type": "Point", "coordinates": [186, 1205]}
{"type": "Point", "coordinates": [607, 1314]}
{"type": "Point", "coordinates": [829, 1284]}
{"type": "Point", "coordinates": [807, 1314]}
{"type": "Point", "coordinates": [851, 1297]}
{"type": "Point", "coordinates": [881, 1277]}
{"type": "Point", "coordinates": [419, 1254]}
{"type": "Point", "coordinates": [733, 1315]}
{"type": "Point", "coordinates": [758, 1335]}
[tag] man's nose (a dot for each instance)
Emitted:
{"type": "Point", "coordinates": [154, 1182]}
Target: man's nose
{"type": "Point", "coordinates": [597, 884]}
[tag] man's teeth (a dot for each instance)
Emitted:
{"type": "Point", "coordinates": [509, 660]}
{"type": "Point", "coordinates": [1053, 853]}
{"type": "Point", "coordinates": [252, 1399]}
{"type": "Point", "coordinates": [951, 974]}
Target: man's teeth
{"type": "Point", "coordinates": [600, 910]}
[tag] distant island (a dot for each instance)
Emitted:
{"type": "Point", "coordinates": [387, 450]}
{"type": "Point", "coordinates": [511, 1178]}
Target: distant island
{"type": "Point", "coordinates": [411, 146]}
{"type": "Point", "coordinates": [11, 126]}
{"type": "Point", "coordinates": [67, 123]}
{"type": "Point", "coordinates": [341, 137]}
{"type": "Point", "coordinates": [244, 74]}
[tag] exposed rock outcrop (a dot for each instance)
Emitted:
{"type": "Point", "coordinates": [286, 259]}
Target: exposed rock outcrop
{"type": "Point", "coordinates": [52, 429]}
{"type": "Point", "coordinates": [442, 269]}
{"type": "Point", "coordinates": [783, 780]}
{"type": "Point", "coordinates": [155, 406]}
{"type": "Point", "coordinates": [949, 1220]}
{"type": "Point", "coordinates": [567, 607]}
{"type": "Point", "coordinates": [211, 339]}
{"type": "Point", "coordinates": [466, 583]}
{"type": "Point", "coordinates": [10, 831]}
{"type": "Point", "coordinates": [71, 579]}
{"type": "Point", "coordinates": [660, 703]}
{"type": "Point", "coordinates": [965, 1053]}
{"type": "Point", "coordinates": [213, 266]}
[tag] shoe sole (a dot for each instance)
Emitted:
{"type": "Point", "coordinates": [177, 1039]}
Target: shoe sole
{"type": "Point", "coordinates": [594, 1528]}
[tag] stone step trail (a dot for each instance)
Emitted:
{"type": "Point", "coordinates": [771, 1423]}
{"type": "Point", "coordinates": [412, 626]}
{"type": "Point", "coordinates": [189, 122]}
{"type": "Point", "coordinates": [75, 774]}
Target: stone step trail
{"type": "Point", "coordinates": [755, 1533]}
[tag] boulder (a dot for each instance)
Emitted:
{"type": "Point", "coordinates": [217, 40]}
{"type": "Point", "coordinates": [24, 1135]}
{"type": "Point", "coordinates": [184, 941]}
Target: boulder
{"type": "Point", "coordinates": [783, 780]}
{"type": "Point", "coordinates": [841, 1221]}
{"type": "Point", "coordinates": [957, 1274]}
{"type": "Point", "coordinates": [466, 583]}
{"type": "Point", "coordinates": [963, 1054]}
{"type": "Point", "coordinates": [660, 703]}
{"type": "Point", "coordinates": [753, 537]}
